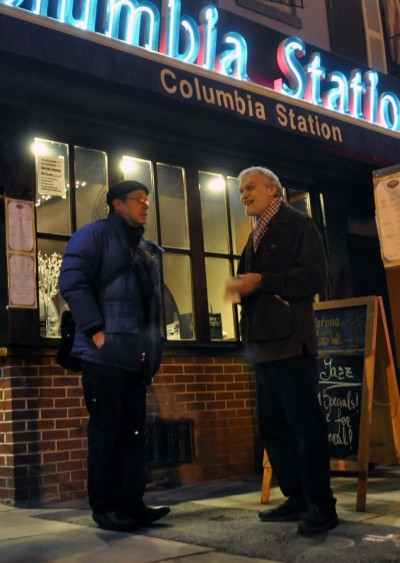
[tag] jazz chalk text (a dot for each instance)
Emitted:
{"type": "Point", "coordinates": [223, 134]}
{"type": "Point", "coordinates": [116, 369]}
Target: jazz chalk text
{"type": "Point", "coordinates": [339, 393]}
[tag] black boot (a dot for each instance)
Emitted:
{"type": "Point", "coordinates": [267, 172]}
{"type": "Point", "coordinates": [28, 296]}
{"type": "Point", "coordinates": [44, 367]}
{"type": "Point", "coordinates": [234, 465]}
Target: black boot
{"type": "Point", "coordinates": [149, 514]}
{"type": "Point", "coordinates": [115, 520]}
{"type": "Point", "coordinates": [292, 509]}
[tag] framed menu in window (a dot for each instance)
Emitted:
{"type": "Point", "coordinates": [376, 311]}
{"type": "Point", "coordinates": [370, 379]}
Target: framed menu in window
{"type": "Point", "coordinates": [21, 251]}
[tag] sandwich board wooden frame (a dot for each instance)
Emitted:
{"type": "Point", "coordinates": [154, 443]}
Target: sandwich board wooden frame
{"type": "Point", "coordinates": [379, 413]}
{"type": "Point", "coordinates": [387, 205]}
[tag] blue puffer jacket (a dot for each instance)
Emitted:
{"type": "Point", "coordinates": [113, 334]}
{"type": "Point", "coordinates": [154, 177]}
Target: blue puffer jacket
{"type": "Point", "coordinates": [101, 282]}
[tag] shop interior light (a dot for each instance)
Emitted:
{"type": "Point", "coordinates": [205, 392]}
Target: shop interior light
{"type": "Point", "coordinates": [128, 165]}
{"type": "Point", "coordinates": [39, 148]}
{"type": "Point", "coordinates": [216, 185]}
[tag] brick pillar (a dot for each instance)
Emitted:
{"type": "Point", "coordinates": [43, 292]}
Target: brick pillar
{"type": "Point", "coordinates": [42, 431]}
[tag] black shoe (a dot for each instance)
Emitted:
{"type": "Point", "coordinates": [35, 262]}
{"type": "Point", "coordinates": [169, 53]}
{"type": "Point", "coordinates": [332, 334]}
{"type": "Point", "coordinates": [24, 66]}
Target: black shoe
{"type": "Point", "coordinates": [114, 520]}
{"type": "Point", "coordinates": [149, 514]}
{"type": "Point", "coordinates": [292, 509]}
{"type": "Point", "coordinates": [316, 521]}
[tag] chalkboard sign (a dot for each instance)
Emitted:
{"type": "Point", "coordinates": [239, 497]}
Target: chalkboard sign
{"type": "Point", "coordinates": [340, 393]}
{"type": "Point", "coordinates": [357, 385]}
{"type": "Point", "coordinates": [341, 343]}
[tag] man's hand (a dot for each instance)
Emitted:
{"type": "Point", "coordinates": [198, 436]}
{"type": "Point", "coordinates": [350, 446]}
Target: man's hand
{"type": "Point", "coordinates": [250, 283]}
{"type": "Point", "coordinates": [98, 339]}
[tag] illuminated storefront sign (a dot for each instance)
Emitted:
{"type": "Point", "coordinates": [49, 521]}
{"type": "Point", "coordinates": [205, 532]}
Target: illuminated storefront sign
{"type": "Point", "coordinates": [356, 95]}
{"type": "Point", "coordinates": [140, 23]}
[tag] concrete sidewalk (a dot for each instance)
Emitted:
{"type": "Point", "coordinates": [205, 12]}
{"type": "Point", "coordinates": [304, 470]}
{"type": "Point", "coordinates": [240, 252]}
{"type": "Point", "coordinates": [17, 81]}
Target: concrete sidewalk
{"type": "Point", "coordinates": [65, 533]}
{"type": "Point", "coordinates": [27, 537]}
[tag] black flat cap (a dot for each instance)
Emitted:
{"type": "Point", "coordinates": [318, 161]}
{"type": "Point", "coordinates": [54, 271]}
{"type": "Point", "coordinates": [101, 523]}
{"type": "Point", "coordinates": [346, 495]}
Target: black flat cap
{"type": "Point", "coordinates": [125, 187]}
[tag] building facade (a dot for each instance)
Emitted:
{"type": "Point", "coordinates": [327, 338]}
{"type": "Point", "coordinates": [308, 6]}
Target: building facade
{"type": "Point", "coordinates": [180, 95]}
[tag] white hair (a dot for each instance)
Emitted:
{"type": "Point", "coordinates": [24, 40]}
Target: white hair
{"type": "Point", "coordinates": [269, 177]}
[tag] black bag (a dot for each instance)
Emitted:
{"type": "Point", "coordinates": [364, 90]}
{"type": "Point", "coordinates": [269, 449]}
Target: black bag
{"type": "Point", "coordinates": [64, 358]}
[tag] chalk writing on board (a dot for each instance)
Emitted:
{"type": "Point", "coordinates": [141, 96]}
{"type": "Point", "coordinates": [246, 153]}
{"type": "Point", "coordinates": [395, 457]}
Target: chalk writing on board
{"type": "Point", "coordinates": [339, 393]}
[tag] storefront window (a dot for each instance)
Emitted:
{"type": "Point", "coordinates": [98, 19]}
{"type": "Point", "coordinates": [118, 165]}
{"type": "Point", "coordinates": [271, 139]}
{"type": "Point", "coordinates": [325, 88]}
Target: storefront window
{"type": "Point", "coordinates": [222, 326]}
{"type": "Point", "coordinates": [225, 234]}
{"type": "Point", "coordinates": [91, 185]}
{"type": "Point", "coordinates": [240, 224]}
{"type": "Point", "coordinates": [141, 171]}
{"type": "Point", "coordinates": [172, 201]}
{"type": "Point", "coordinates": [62, 209]}
{"type": "Point", "coordinates": [178, 297]}
{"type": "Point", "coordinates": [213, 212]}
{"type": "Point", "coordinates": [52, 187]}
{"type": "Point", "coordinates": [299, 199]}
{"type": "Point", "coordinates": [168, 202]}
{"type": "Point", "coordinates": [51, 304]}
{"type": "Point", "coordinates": [56, 217]}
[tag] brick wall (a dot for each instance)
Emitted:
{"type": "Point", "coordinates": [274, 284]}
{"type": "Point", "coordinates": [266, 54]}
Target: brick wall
{"type": "Point", "coordinates": [43, 442]}
{"type": "Point", "coordinates": [218, 394]}
{"type": "Point", "coordinates": [43, 423]}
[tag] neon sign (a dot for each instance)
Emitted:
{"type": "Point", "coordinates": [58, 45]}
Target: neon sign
{"type": "Point", "coordinates": [140, 24]}
{"type": "Point", "coordinates": [356, 95]}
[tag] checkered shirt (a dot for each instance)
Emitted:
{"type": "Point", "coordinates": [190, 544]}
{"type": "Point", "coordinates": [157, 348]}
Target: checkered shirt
{"type": "Point", "coordinates": [264, 220]}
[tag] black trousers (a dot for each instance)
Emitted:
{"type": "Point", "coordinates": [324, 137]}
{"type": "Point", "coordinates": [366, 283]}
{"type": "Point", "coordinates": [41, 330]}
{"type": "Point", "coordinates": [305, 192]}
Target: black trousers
{"type": "Point", "coordinates": [116, 401]}
{"type": "Point", "coordinates": [293, 428]}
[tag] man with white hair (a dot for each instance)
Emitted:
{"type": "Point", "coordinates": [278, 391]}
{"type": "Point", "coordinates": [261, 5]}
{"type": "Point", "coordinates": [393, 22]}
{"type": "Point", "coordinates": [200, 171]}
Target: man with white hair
{"type": "Point", "coordinates": [281, 269]}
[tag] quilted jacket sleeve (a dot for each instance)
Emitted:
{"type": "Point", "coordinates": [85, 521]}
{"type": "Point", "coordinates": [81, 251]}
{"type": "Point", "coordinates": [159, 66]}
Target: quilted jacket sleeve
{"type": "Point", "coordinates": [79, 274]}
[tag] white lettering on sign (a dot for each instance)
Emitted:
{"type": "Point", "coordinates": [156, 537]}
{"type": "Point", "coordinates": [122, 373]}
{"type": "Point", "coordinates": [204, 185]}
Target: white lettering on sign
{"type": "Point", "coordinates": [356, 96]}
{"type": "Point", "coordinates": [195, 89]}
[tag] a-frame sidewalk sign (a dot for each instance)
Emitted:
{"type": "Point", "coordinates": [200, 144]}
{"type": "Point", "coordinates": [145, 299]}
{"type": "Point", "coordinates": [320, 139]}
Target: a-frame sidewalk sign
{"type": "Point", "coordinates": [358, 389]}
{"type": "Point", "coordinates": [387, 209]}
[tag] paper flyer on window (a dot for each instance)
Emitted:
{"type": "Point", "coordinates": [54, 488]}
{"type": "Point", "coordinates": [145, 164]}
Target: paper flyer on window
{"type": "Point", "coordinates": [51, 179]}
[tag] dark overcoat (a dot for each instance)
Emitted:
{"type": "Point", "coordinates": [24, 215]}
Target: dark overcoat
{"type": "Point", "coordinates": [277, 321]}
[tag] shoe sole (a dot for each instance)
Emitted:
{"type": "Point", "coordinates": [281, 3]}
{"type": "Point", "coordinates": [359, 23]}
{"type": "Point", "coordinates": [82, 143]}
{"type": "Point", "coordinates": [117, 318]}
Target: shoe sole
{"type": "Point", "coordinates": [116, 528]}
{"type": "Point", "coordinates": [289, 518]}
{"type": "Point", "coordinates": [148, 521]}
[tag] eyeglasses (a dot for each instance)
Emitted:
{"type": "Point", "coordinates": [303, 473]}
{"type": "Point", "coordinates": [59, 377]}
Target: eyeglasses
{"type": "Point", "coordinates": [139, 199]}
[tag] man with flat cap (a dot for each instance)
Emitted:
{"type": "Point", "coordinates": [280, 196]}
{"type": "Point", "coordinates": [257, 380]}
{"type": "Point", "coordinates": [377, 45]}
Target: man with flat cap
{"type": "Point", "coordinates": [110, 280]}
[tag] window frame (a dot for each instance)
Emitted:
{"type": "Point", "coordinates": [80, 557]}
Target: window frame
{"type": "Point", "coordinates": [274, 13]}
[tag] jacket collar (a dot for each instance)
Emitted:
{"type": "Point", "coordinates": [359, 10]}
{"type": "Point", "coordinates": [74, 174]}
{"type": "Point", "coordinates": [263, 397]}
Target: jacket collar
{"type": "Point", "coordinates": [283, 215]}
{"type": "Point", "coordinates": [118, 223]}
